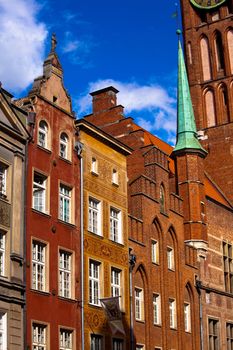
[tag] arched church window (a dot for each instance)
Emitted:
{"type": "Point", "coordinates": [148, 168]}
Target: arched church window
{"type": "Point", "coordinates": [224, 103]}
{"type": "Point", "coordinates": [210, 108]}
{"type": "Point", "coordinates": [230, 47]}
{"type": "Point", "coordinates": [205, 58]}
{"type": "Point", "coordinates": [219, 52]}
{"type": "Point", "coordinates": [190, 53]}
{"type": "Point", "coordinates": [162, 199]}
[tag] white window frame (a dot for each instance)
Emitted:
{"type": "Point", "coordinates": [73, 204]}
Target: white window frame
{"type": "Point", "coordinates": [43, 131]}
{"type": "Point", "coordinates": [170, 259]}
{"type": "Point", "coordinates": [139, 304]}
{"type": "Point", "coordinates": [65, 203]}
{"type": "Point", "coordinates": [115, 225]}
{"type": "Point", "coordinates": [39, 336]}
{"type": "Point", "coordinates": [66, 339]}
{"type": "Point", "coordinates": [116, 278]}
{"type": "Point", "coordinates": [115, 177]}
{"type": "Point", "coordinates": [96, 342]}
{"type": "Point", "coordinates": [156, 309]}
{"type": "Point", "coordinates": [39, 262]}
{"type": "Point", "coordinates": [65, 273]}
{"type": "Point", "coordinates": [2, 253]}
{"type": "Point", "coordinates": [3, 330]}
{"type": "Point", "coordinates": [154, 251]}
{"type": "Point", "coordinates": [94, 216]}
{"type": "Point", "coordinates": [94, 282]}
{"type": "Point", "coordinates": [187, 317]}
{"type": "Point", "coordinates": [64, 146]}
{"type": "Point", "coordinates": [94, 165]}
{"type": "Point", "coordinates": [172, 313]}
{"type": "Point", "coordinates": [39, 192]}
{"type": "Point", "coordinates": [117, 344]}
{"type": "Point", "coordinates": [3, 179]}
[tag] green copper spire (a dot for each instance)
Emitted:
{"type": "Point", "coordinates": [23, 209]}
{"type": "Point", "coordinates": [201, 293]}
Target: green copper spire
{"type": "Point", "coordinates": [186, 127]}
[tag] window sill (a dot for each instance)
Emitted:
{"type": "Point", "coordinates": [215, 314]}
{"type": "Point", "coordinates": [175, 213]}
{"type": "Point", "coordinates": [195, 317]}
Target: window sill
{"type": "Point", "coordinates": [95, 234]}
{"type": "Point", "coordinates": [171, 269]}
{"type": "Point", "coordinates": [94, 173]}
{"type": "Point", "coordinates": [173, 328]}
{"type": "Point", "coordinates": [69, 300]}
{"type": "Point", "coordinates": [44, 149]}
{"type": "Point", "coordinates": [69, 224]}
{"type": "Point", "coordinates": [140, 321]}
{"type": "Point", "coordinates": [66, 160]}
{"type": "Point", "coordinates": [41, 213]}
{"type": "Point", "coordinates": [115, 184]}
{"type": "Point", "coordinates": [45, 293]}
{"type": "Point", "coordinates": [118, 243]}
{"type": "Point", "coordinates": [158, 325]}
{"type": "Point", "coordinates": [95, 306]}
{"type": "Point", "coordinates": [155, 263]}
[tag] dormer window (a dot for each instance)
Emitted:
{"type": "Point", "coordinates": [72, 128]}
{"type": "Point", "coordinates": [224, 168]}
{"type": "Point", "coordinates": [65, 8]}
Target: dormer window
{"type": "Point", "coordinates": [43, 134]}
{"type": "Point", "coordinates": [64, 146]}
{"type": "Point", "coordinates": [94, 165]}
{"type": "Point", "coordinates": [115, 177]}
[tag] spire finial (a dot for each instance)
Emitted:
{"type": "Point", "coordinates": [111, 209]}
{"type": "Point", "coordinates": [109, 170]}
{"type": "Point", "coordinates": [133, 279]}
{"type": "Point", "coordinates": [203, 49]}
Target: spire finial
{"type": "Point", "coordinates": [53, 42]}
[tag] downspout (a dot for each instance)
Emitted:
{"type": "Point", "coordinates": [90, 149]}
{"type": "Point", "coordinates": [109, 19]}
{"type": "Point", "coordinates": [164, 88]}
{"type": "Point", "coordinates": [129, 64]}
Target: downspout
{"type": "Point", "coordinates": [132, 261]}
{"type": "Point", "coordinates": [24, 247]}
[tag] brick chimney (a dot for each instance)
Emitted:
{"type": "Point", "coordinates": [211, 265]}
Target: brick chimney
{"type": "Point", "coordinates": [104, 99]}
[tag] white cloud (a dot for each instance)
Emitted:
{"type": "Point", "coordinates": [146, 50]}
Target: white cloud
{"type": "Point", "coordinates": [155, 109]}
{"type": "Point", "coordinates": [22, 39]}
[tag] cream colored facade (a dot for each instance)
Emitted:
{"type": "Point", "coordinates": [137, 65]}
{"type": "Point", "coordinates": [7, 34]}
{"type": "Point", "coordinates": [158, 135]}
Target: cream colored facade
{"type": "Point", "coordinates": [105, 254]}
{"type": "Point", "coordinates": [13, 141]}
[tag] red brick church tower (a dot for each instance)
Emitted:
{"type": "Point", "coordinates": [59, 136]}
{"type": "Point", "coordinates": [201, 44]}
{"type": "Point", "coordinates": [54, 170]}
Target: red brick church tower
{"type": "Point", "coordinates": [208, 40]}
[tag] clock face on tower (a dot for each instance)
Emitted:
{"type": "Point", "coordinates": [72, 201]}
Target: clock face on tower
{"type": "Point", "coordinates": [207, 4]}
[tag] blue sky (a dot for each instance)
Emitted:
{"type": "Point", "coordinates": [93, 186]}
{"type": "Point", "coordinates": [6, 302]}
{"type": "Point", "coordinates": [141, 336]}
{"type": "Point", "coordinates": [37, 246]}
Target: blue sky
{"type": "Point", "coordinates": [129, 44]}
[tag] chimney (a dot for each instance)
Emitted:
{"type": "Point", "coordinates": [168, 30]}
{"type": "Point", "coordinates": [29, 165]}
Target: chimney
{"type": "Point", "coordinates": [104, 99]}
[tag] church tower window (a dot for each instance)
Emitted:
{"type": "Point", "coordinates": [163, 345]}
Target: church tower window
{"type": "Point", "coordinates": [205, 58]}
{"type": "Point", "coordinates": [210, 108]}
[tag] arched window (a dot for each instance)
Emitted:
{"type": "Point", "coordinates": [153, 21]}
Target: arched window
{"type": "Point", "coordinates": [230, 48]}
{"type": "Point", "coordinates": [205, 59]}
{"type": "Point", "coordinates": [64, 146]}
{"type": "Point", "coordinates": [224, 104]}
{"type": "Point", "coordinates": [162, 199]}
{"type": "Point", "coordinates": [43, 134]}
{"type": "Point", "coordinates": [190, 57]}
{"type": "Point", "coordinates": [210, 108]}
{"type": "Point", "coordinates": [188, 309]}
{"type": "Point", "coordinates": [219, 52]}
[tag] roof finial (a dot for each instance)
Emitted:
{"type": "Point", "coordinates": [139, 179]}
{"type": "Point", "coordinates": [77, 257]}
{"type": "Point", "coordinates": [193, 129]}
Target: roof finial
{"type": "Point", "coordinates": [53, 42]}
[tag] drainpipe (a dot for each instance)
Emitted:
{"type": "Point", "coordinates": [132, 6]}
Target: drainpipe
{"type": "Point", "coordinates": [132, 261]}
{"type": "Point", "coordinates": [198, 286]}
{"type": "Point", "coordinates": [25, 245]}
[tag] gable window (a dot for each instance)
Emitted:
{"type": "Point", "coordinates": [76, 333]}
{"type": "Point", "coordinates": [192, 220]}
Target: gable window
{"type": "Point", "coordinates": [94, 282]}
{"type": "Point", "coordinates": [2, 252]}
{"type": "Point", "coordinates": [64, 146]}
{"type": "Point", "coordinates": [94, 216]}
{"type": "Point", "coordinates": [3, 330]}
{"type": "Point", "coordinates": [43, 134]}
{"type": "Point", "coordinates": [66, 339]}
{"type": "Point", "coordinates": [3, 178]}
{"type": "Point", "coordinates": [213, 334]}
{"type": "Point", "coordinates": [39, 337]}
{"type": "Point", "coordinates": [65, 259]}
{"type": "Point", "coordinates": [116, 283]}
{"type": "Point", "coordinates": [187, 317]}
{"type": "Point", "coordinates": [172, 313]}
{"type": "Point", "coordinates": [139, 304]}
{"type": "Point", "coordinates": [94, 165]}
{"type": "Point", "coordinates": [115, 177]}
{"type": "Point", "coordinates": [39, 192]}
{"type": "Point", "coordinates": [96, 342]}
{"type": "Point", "coordinates": [115, 225]}
{"type": "Point", "coordinates": [117, 344]}
{"type": "Point", "coordinates": [170, 258]}
{"type": "Point", "coordinates": [155, 252]}
{"type": "Point", "coordinates": [38, 266]}
{"type": "Point", "coordinates": [65, 203]}
{"type": "Point", "coordinates": [228, 266]}
{"type": "Point", "coordinates": [157, 309]}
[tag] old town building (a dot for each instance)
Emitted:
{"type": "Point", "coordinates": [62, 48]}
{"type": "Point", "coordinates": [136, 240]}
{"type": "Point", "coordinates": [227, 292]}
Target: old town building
{"type": "Point", "coordinates": [53, 314]}
{"type": "Point", "coordinates": [105, 237]}
{"type": "Point", "coordinates": [13, 147]}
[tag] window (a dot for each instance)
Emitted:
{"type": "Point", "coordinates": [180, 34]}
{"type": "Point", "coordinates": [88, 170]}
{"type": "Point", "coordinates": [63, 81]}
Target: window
{"type": "Point", "coordinates": [2, 253]}
{"type": "Point", "coordinates": [116, 283]}
{"type": "Point", "coordinates": [43, 134]}
{"type": "Point", "coordinates": [229, 332]}
{"type": "Point", "coordinates": [139, 304]}
{"type": "Point", "coordinates": [65, 274]}
{"type": "Point", "coordinates": [94, 282]}
{"type": "Point", "coordinates": [3, 331]}
{"type": "Point", "coordinates": [65, 203]}
{"type": "Point", "coordinates": [39, 192]}
{"type": "Point", "coordinates": [38, 266]}
{"type": "Point", "coordinates": [115, 177]}
{"type": "Point", "coordinates": [94, 166]}
{"type": "Point", "coordinates": [94, 218]}
{"type": "Point", "coordinates": [66, 339]}
{"type": "Point", "coordinates": [96, 342]}
{"type": "Point", "coordinates": [228, 266]}
{"type": "Point", "coordinates": [157, 309]}
{"type": "Point", "coordinates": [213, 334]}
{"type": "Point", "coordinates": [170, 258]}
{"type": "Point", "coordinates": [219, 52]}
{"type": "Point", "coordinates": [115, 225]}
{"type": "Point", "coordinates": [139, 347]}
{"type": "Point", "coordinates": [117, 344]}
{"type": "Point", "coordinates": [172, 312]}
{"type": "Point", "coordinates": [64, 146]}
{"type": "Point", "coordinates": [162, 199]}
{"type": "Point", "coordinates": [3, 177]}
{"type": "Point", "coordinates": [187, 317]}
{"type": "Point", "coordinates": [155, 252]}
{"type": "Point", "coordinates": [39, 337]}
